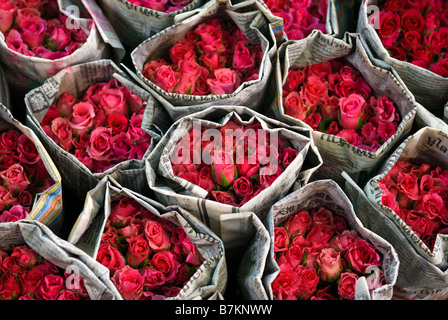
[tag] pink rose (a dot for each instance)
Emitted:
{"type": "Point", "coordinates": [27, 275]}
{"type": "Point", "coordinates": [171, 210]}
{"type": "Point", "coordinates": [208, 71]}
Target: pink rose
{"type": "Point", "coordinates": [293, 255]}
{"type": "Point", "coordinates": [62, 132]}
{"type": "Point", "coordinates": [81, 118]}
{"type": "Point", "coordinates": [150, 68]}
{"type": "Point", "coordinates": [33, 31]}
{"type": "Point", "coordinates": [243, 58]}
{"type": "Point", "coordinates": [182, 50]}
{"type": "Point", "coordinates": [225, 81]}
{"type": "Point", "coordinates": [14, 42]}
{"type": "Point", "coordinates": [7, 14]}
{"type": "Point", "coordinates": [60, 38]}
{"type": "Point", "coordinates": [205, 179]}
{"type": "Point", "coordinates": [51, 287]}
{"type": "Point", "coordinates": [152, 278]}
{"type": "Point", "coordinates": [26, 13]}
{"type": "Point", "coordinates": [100, 147]}
{"type": "Point", "coordinates": [342, 241]}
{"type": "Point", "coordinates": [408, 184]}
{"type": "Point", "coordinates": [347, 285]}
{"type": "Point", "coordinates": [308, 280]}
{"type": "Point", "coordinates": [158, 5]}
{"type": "Point", "coordinates": [320, 234]}
{"type": "Point", "coordinates": [322, 216]}
{"type": "Point", "coordinates": [223, 168]}
{"type": "Point", "coordinates": [293, 80]}
{"type": "Point", "coordinates": [351, 109]}
{"type": "Point", "coordinates": [110, 257]}
{"type": "Point", "coordinates": [129, 282]}
{"type": "Point", "coordinates": [224, 197]}
{"type": "Point", "coordinates": [157, 237]}
{"type": "Point", "coordinates": [166, 78]}
{"type": "Point", "coordinates": [123, 211]}
{"type": "Point", "coordinates": [112, 100]}
{"type": "Point", "coordinates": [15, 177]}
{"type": "Point", "coordinates": [351, 136]}
{"type": "Point", "coordinates": [314, 91]}
{"type": "Point", "coordinates": [329, 264]}
{"type": "Point", "coordinates": [295, 107]}
{"type": "Point", "coordinates": [165, 262]}
{"type": "Point", "coordinates": [65, 104]}
{"type": "Point", "coordinates": [189, 71]}
{"type": "Point", "coordinates": [361, 254]}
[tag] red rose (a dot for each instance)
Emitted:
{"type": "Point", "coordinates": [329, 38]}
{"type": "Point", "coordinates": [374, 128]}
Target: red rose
{"type": "Point", "coordinates": [129, 282]}
{"type": "Point", "coordinates": [27, 150]}
{"type": "Point", "coordinates": [182, 50]}
{"type": "Point", "coordinates": [189, 71]}
{"type": "Point", "coordinates": [286, 280]}
{"type": "Point", "coordinates": [269, 174]}
{"type": "Point", "coordinates": [224, 197]}
{"type": "Point", "coordinates": [320, 234]}
{"type": "Point", "coordinates": [390, 25]}
{"type": "Point", "coordinates": [8, 141]}
{"type": "Point", "coordinates": [243, 187]}
{"type": "Point", "coordinates": [51, 287]}
{"type": "Point", "coordinates": [15, 177]}
{"type": "Point", "coordinates": [166, 78]}
{"type": "Point", "coordinates": [112, 100]}
{"type": "Point", "coordinates": [293, 80]}
{"type": "Point", "coordinates": [361, 254]}
{"type": "Point", "coordinates": [243, 58]}
{"type": "Point", "coordinates": [110, 257]}
{"type": "Point", "coordinates": [281, 239]}
{"type": "Point", "coordinates": [152, 278]}
{"type": "Point", "coordinates": [123, 211]}
{"type": "Point", "coordinates": [412, 19]}
{"type": "Point", "coordinates": [408, 184]}
{"type": "Point", "coordinates": [138, 251]}
{"type": "Point", "coordinates": [9, 288]}
{"type": "Point", "coordinates": [347, 285]}
{"type": "Point", "coordinates": [440, 67]}
{"type": "Point", "coordinates": [308, 280]}
{"type": "Point", "coordinates": [31, 280]}
{"type": "Point", "coordinates": [25, 257]}
{"type": "Point", "coordinates": [314, 91]}
{"type": "Point", "coordinates": [166, 263]}
{"type": "Point", "coordinates": [298, 224]}
{"type": "Point", "coordinates": [33, 31]}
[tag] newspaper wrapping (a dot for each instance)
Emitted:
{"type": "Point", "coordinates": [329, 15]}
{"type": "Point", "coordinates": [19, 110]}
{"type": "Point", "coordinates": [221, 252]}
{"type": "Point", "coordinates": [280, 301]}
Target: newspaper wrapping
{"type": "Point", "coordinates": [134, 24]}
{"type": "Point", "coordinates": [170, 189]}
{"type": "Point", "coordinates": [25, 73]}
{"type": "Point", "coordinates": [209, 281]}
{"type": "Point", "coordinates": [61, 253]}
{"type": "Point", "coordinates": [423, 272]}
{"type": "Point", "coordinates": [75, 80]}
{"type": "Point", "coordinates": [428, 88]}
{"type": "Point", "coordinates": [258, 268]}
{"type": "Point", "coordinates": [5, 97]}
{"type": "Point", "coordinates": [254, 24]}
{"type": "Point", "coordinates": [338, 155]}
{"type": "Point", "coordinates": [47, 206]}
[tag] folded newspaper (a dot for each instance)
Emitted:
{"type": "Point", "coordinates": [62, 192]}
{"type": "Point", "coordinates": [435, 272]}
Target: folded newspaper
{"type": "Point", "coordinates": [210, 279]}
{"type": "Point", "coordinates": [47, 206]}
{"type": "Point", "coordinates": [423, 273]}
{"type": "Point", "coordinates": [258, 268]}
{"type": "Point", "coordinates": [251, 18]}
{"type": "Point", "coordinates": [25, 72]}
{"type": "Point", "coordinates": [61, 253]}
{"type": "Point", "coordinates": [337, 153]}
{"type": "Point", "coordinates": [5, 97]}
{"type": "Point", "coordinates": [428, 88]}
{"type": "Point", "coordinates": [75, 80]}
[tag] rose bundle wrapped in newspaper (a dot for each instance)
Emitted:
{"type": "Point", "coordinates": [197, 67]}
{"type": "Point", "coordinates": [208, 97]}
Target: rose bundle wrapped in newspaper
{"type": "Point", "coordinates": [409, 37]}
{"type": "Point", "coordinates": [40, 38]}
{"type": "Point", "coordinates": [300, 18]}
{"type": "Point", "coordinates": [152, 252]}
{"type": "Point", "coordinates": [229, 159]}
{"type": "Point", "coordinates": [232, 64]}
{"type": "Point", "coordinates": [92, 124]}
{"type": "Point", "coordinates": [213, 58]}
{"type": "Point", "coordinates": [404, 203]}
{"type": "Point", "coordinates": [38, 265]}
{"type": "Point", "coordinates": [136, 20]}
{"type": "Point", "coordinates": [28, 276]}
{"type": "Point", "coordinates": [356, 118]}
{"type": "Point", "coordinates": [30, 184]}
{"type": "Point", "coordinates": [317, 249]}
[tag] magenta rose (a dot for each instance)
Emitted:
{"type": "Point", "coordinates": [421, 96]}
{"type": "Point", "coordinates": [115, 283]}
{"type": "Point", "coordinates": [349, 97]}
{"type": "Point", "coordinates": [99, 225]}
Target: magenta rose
{"type": "Point", "coordinates": [152, 278]}
{"type": "Point", "coordinates": [60, 38]}
{"type": "Point", "coordinates": [33, 31]}
{"type": "Point", "coordinates": [129, 282]}
{"type": "Point", "coordinates": [15, 213]}
{"type": "Point", "coordinates": [157, 237]}
{"type": "Point", "coordinates": [351, 109]}
{"type": "Point", "coordinates": [225, 81]}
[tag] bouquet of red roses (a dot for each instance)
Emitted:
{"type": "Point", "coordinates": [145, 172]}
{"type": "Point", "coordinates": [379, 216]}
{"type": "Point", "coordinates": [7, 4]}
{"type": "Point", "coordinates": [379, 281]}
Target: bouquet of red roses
{"type": "Point", "coordinates": [415, 32]}
{"type": "Point", "coordinates": [26, 275]}
{"type": "Point", "coordinates": [333, 97]}
{"type": "Point", "coordinates": [214, 58]}
{"type": "Point", "coordinates": [320, 258]}
{"type": "Point", "coordinates": [166, 6]}
{"type": "Point", "coordinates": [22, 175]}
{"type": "Point", "coordinates": [102, 128]}
{"type": "Point", "coordinates": [149, 258]}
{"type": "Point", "coordinates": [38, 29]}
{"type": "Point", "coordinates": [418, 194]}
{"type": "Point", "coordinates": [232, 168]}
{"type": "Point", "coordinates": [300, 18]}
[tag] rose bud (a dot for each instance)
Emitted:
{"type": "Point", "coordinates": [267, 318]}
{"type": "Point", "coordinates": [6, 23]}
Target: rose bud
{"type": "Point", "coordinates": [223, 168]}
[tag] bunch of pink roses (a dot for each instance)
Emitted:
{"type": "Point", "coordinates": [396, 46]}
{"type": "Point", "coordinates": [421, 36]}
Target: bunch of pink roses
{"type": "Point", "coordinates": [321, 259]}
{"type": "Point", "coordinates": [333, 97]}
{"type": "Point", "coordinates": [166, 6]}
{"type": "Point", "coordinates": [22, 175]}
{"type": "Point", "coordinates": [301, 17]}
{"type": "Point", "coordinates": [26, 275]}
{"type": "Point", "coordinates": [149, 258]}
{"type": "Point", "coordinates": [38, 29]}
{"type": "Point", "coordinates": [214, 58]}
{"type": "Point", "coordinates": [416, 32]}
{"type": "Point", "coordinates": [234, 176]}
{"type": "Point", "coordinates": [418, 194]}
{"type": "Point", "coordinates": [102, 128]}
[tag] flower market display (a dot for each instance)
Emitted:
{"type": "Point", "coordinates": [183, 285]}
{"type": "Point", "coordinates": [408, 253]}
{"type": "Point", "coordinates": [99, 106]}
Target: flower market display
{"type": "Point", "coordinates": [416, 32]}
{"type": "Point", "coordinates": [26, 275]}
{"type": "Point", "coordinates": [214, 58]}
{"type": "Point", "coordinates": [22, 175]}
{"type": "Point", "coordinates": [162, 6]}
{"type": "Point", "coordinates": [320, 258]}
{"type": "Point", "coordinates": [101, 128]}
{"type": "Point", "coordinates": [38, 29]}
{"type": "Point", "coordinates": [334, 98]}
{"type": "Point", "coordinates": [148, 257]}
